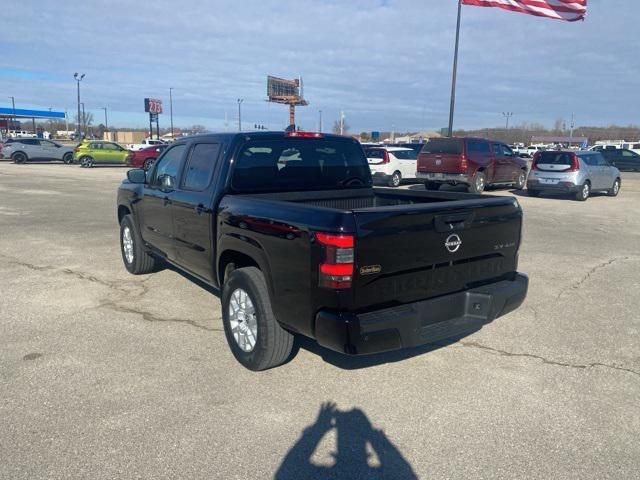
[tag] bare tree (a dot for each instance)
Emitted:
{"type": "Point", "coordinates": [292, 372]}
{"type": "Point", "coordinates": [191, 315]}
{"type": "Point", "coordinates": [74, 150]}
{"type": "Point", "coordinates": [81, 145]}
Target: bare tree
{"type": "Point", "coordinates": [336, 127]}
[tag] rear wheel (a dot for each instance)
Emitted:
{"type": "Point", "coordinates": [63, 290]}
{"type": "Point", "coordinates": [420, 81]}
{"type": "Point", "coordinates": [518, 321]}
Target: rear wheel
{"type": "Point", "coordinates": [431, 185]}
{"type": "Point", "coordinates": [478, 183]}
{"type": "Point", "coordinates": [584, 192]}
{"type": "Point", "coordinates": [67, 158]}
{"type": "Point", "coordinates": [521, 180]}
{"type": "Point", "coordinates": [19, 157]}
{"type": "Point", "coordinates": [86, 161]}
{"type": "Point", "coordinates": [136, 260]}
{"type": "Point", "coordinates": [148, 163]}
{"type": "Point", "coordinates": [615, 189]}
{"type": "Point", "coordinates": [395, 179]}
{"type": "Point", "coordinates": [254, 335]}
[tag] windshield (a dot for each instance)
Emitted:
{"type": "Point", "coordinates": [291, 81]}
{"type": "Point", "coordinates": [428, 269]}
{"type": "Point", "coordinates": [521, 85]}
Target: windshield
{"type": "Point", "coordinates": [443, 145]}
{"type": "Point", "coordinates": [300, 164]}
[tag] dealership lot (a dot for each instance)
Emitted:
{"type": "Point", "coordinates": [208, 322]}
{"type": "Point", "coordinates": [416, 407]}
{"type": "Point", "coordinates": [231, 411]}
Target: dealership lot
{"type": "Point", "coordinates": [103, 374]}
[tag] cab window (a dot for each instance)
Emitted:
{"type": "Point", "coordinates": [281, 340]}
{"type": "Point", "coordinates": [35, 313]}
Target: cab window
{"type": "Point", "coordinates": [200, 165]}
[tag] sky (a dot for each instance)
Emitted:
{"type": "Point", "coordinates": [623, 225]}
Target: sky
{"type": "Point", "coordinates": [385, 63]}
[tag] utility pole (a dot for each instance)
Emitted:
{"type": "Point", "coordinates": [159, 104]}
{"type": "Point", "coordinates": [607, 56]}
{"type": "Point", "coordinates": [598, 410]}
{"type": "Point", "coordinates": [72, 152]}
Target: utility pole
{"type": "Point", "coordinates": [341, 122]}
{"type": "Point", "coordinates": [507, 115]}
{"type": "Point", "coordinates": [240, 100]}
{"type": "Point", "coordinates": [66, 122]}
{"type": "Point", "coordinates": [455, 72]}
{"type": "Point", "coordinates": [571, 131]}
{"type": "Point", "coordinates": [78, 80]}
{"type": "Point", "coordinates": [320, 121]}
{"type": "Point", "coordinates": [171, 110]}
{"type": "Point", "coordinates": [106, 120]}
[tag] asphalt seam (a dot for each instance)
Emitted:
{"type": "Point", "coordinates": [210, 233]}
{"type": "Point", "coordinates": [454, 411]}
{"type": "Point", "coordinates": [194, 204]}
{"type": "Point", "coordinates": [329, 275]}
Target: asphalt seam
{"type": "Point", "coordinates": [504, 353]}
{"type": "Point", "coordinates": [584, 278]}
{"type": "Point", "coordinates": [115, 305]}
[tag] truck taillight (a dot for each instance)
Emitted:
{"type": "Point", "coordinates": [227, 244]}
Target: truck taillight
{"type": "Point", "coordinates": [336, 270]}
{"type": "Point", "coordinates": [304, 134]}
{"type": "Point", "coordinates": [464, 163]}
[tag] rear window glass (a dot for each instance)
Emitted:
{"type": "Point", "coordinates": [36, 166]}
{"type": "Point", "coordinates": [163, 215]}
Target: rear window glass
{"type": "Point", "coordinates": [300, 164]}
{"type": "Point", "coordinates": [374, 153]}
{"type": "Point", "coordinates": [405, 154]}
{"type": "Point", "coordinates": [443, 145]}
{"type": "Point", "coordinates": [554, 158]}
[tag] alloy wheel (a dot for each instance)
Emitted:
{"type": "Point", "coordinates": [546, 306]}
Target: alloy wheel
{"type": "Point", "coordinates": [243, 320]}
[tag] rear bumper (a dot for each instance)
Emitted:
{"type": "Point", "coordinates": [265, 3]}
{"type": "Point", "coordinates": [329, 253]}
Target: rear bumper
{"type": "Point", "coordinates": [561, 186]}
{"type": "Point", "coordinates": [419, 323]}
{"type": "Point", "coordinates": [444, 177]}
{"type": "Point", "coordinates": [380, 178]}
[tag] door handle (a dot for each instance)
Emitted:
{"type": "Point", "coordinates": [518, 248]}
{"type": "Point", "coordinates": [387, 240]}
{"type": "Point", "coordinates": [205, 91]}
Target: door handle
{"type": "Point", "coordinates": [200, 209]}
{"type": "Point", "coordinates": [166, 201]}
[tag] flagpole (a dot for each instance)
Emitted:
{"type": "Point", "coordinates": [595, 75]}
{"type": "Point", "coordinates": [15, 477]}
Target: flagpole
{"type": "Point", "coordinates": [455, 72]}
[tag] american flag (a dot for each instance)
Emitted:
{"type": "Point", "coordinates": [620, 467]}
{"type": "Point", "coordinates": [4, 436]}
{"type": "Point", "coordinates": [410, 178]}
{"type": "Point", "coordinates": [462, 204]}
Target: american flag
{"type": "Point", "coordinates": [569, 10]}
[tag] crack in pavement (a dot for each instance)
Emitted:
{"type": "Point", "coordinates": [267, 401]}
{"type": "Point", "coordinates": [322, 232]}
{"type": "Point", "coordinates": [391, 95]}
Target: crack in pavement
{"type": "Point", "coordinates": [123, 287]}
{"type": "Point", "coordinates": [504, 353]}
{"type": "Point", "coordinates": [585, 277]}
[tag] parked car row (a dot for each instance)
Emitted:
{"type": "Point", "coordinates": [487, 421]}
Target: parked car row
{"type": "Point", "coordinates": [88, 153]}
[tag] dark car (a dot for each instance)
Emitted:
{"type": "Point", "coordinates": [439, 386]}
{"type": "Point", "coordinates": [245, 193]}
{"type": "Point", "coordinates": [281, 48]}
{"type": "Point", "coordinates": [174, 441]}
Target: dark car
{"type": "Point", "coordinates": [474, 162]}
{"type": "Point", "coordinates": [622, 158]}
{"type": "Point", "coordinates": [144, 158]}
{"type": "Point", "coordinates": [290, 229]}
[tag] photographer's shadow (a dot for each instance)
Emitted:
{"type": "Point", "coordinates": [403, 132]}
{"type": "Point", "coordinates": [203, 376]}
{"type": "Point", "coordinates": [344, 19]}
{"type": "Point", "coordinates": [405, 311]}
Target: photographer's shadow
{"type": "Point", "coordinates": [361, 451]}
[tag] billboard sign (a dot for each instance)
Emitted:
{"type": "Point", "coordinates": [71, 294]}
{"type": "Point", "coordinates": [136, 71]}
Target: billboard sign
{"type": "Point", "coordinates": [153, 105]}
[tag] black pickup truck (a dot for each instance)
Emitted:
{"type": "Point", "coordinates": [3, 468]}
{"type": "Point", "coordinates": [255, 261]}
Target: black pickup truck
{"type": "Point", "coordinates": [289, 227]}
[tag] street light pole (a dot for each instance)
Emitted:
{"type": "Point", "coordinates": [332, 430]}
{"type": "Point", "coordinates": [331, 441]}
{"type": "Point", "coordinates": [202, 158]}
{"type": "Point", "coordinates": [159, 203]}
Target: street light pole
{"type": "Point", "coordinates": [507, 115]}
{"type": "Point", "coordinates": [78, 80]}
{"type": "Point", "coordinates": [240, 100]}
{"type": "Point", "coordinates": [171, 110]}
{"type": "Point", "coordinates": [84, 121]}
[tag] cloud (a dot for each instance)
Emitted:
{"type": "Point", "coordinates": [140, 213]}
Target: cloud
{"type": "Point", "coordinates": [383, 62]}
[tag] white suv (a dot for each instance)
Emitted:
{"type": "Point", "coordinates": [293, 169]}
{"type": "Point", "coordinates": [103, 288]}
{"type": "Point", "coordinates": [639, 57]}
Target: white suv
{"type": "Point", "coordinates": [390, 165]}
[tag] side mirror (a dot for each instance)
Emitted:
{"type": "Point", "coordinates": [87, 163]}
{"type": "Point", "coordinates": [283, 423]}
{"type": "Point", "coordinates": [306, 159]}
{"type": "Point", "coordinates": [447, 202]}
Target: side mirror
{"type": "Point", "coordinates": [167, 182]}
{"type": "Point", "coordinates": [137, 175]}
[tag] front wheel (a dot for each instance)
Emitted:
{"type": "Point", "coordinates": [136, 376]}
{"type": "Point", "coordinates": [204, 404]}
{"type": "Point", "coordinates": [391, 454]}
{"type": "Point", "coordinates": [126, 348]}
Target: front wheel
{"type": "Point", "coordinates": [584, 192]}
{"type": "Point", "coordinates": [478, 183]}
{"type": "Point", "coordinates": [521, 180]}
{"type": "Point", "coordinates": [254, 335]}
{"type": "Point", "coordinates": [136, 260]}
{"type": "Point", "coordinates": [615, 189]}
{"type": "Point", "coordinates": [68, 158]}
{"type": "Point", "coordinates": [395, 179]}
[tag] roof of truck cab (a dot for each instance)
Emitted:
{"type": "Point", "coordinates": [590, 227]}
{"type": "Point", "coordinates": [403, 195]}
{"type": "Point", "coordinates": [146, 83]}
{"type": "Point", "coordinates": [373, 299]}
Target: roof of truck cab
{"type": "Point", "coordinates": [258, 135]}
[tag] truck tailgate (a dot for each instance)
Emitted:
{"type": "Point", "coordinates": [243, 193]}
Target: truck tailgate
{"type": "Point", "coordinates": [440, 163]}
{"type": "Point", "coordinates": [407, 253]}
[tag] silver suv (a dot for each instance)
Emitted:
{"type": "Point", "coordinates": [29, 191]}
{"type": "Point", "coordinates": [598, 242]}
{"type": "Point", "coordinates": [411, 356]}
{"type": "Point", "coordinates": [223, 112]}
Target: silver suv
{"type": "Point", "coordinates": [579, 173]}
{"type": "Point", "coordinates": [22, 150]}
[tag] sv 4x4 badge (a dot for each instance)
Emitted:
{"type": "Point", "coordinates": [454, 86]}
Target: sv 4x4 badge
{"type": "Point", "coordinates": [370, 269]}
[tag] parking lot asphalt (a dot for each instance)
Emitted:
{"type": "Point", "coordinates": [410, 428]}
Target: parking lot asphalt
{"type": "Point", "coordinates": [107, 375]}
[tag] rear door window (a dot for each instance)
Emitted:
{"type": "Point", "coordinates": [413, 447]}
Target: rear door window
{"type": "Point", "coordinates": [200, 166]}
{"type": "Point", "coordinates": [452, 146]}
{"type": "Point", "coordinates": [588, 158]}
{"type": "Point", "coordinates": [405, 154]}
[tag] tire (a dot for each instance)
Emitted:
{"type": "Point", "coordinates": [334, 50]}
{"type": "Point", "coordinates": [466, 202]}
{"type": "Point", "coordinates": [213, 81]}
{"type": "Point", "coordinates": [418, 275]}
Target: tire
{"type": "Point", "coordinates": [615, 189]}
{"type": "Point", "coordinates": [432, 185]}
{"type": "Point", "coordinates": [20, 157]}
{"type": "Point", "coordinates": [68, 158]}
{"type": "Point", "coordinates": [136, 260]}
{"type": "Point", "coordinates": [478, 184]}
{"type": "Point", "coordinates": [521, 181]}
{"type": "Point", "coordinates": [86, 161]}
{"type": "Point", "coordinates": [584, 192]}
{"type": "Point", "coordinates": [395, 179]}
{"type": "Point", "coordinates": [533, 193]}
{"type": "Point", "coordinates": [272, 344]}
{"type": "Point", "coordinates": [148, 163]}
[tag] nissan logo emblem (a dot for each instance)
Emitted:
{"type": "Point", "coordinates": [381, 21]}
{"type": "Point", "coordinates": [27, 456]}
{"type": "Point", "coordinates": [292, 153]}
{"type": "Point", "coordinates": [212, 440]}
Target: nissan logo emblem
{"type": "Point", "coordinates": [453, 243]}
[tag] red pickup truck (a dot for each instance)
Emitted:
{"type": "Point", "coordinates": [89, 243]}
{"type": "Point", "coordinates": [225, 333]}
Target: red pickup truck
{"type": "Point", "coordinates": [475, 162]}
